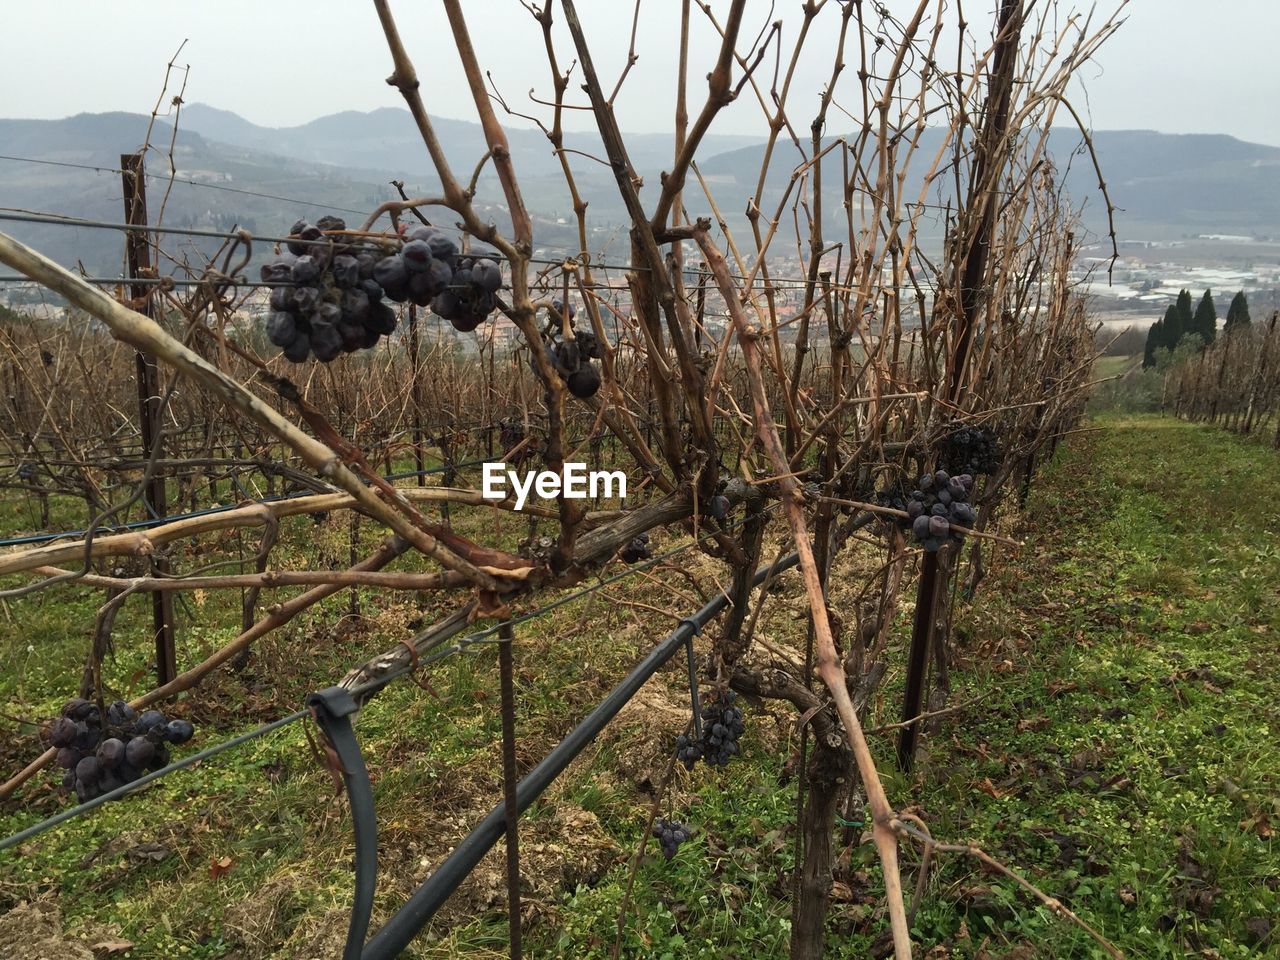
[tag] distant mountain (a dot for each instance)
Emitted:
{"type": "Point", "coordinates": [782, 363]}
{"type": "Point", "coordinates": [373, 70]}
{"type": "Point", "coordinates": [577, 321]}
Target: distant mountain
{"type": "Point", "coordinates": [344, 160]}
{"type": "Point", "coordinates": [1166, 186]}
{"type": "Point", "coordinates": [1198, 183]}
{"type": "Point", "coordinates": [1163, 184]}
{"type": "Point", "coordinates": [387, 139]}
{"type": "Point", "coordinates": [384, 144]}
{"type": "Point", "coordinates": [232, 185]}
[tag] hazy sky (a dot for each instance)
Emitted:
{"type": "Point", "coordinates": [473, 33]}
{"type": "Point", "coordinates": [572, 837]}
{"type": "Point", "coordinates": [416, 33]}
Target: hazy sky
{"type": "Point", "coordinates": [1176, 66]}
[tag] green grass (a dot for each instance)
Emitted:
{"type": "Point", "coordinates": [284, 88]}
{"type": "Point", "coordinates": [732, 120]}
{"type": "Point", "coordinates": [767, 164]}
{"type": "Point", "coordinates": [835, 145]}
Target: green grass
{"type": "Point", "coordinates": [1129, 755]}
{"type": "Point", "coordinates": [1121, 753]}
{"type": "Point", "coordinates": [1114, 366]}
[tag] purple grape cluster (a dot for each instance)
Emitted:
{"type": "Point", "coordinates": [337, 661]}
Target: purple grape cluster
{"type": "Point", "coordinates": [688, 750]}
{"type": "Point", "coordinates": [468, 295]}
{"type": "Point", "coordinates": [670, 834]}
{"type": "Point", "coordinates": [326, 299]}
{"type": "Point", "coordinates": [938, 506]}
{"type": "Point", "coordinates": [722, 725]}
{"type": "Point", "coordinates": [971, 450]}
{"type": "Point", "coordinates": [572, 358]}
{"type": "Point", "coordinates": [637, 549]}
{"type": "Point", "coordinates": [100, 753]}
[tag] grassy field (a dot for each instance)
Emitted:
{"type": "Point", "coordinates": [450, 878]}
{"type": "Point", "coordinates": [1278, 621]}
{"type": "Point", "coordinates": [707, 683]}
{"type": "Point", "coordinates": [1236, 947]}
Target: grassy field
{"type": "Point", "coordinates": [1117, 743]}
{"type": "Point", "coordinates": [1113, 366]}
{"type": "Point", "coordinates": [1124, 747]}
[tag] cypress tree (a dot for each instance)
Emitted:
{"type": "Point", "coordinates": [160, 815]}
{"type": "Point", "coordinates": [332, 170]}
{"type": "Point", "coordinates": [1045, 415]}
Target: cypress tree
{"type": "Point", "coordinates": [1155, 333]}
{"type": "Point", "coordinates": [1185, 322]}
{"type": "Point", "coordinates": [1171, 335]}
{"type": "Point", "coordinates": [1238, 312]}
{"type": "Point", "coordinates": [1206, 319]}
{"type": "Point", "coordinates": [1161, 336]}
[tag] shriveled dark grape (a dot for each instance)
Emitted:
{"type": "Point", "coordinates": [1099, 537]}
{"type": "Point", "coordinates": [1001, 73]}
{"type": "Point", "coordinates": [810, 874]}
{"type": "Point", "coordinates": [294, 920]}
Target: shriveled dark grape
{"type": "Point", "coordinates": [180, 731]}
{"type": "Point", "coordinates": [282, 329]}
{"type": "Point", "coordinates": [299, 349]}
{"type": "Point", "coordinates": [486, 275]}
{"type": "Point", "coordinates": [62, 732]}
{"type": "Point", "coordinates": [417, 256]}
{"type": "Point", "coordinates": [306, 269]}
{"type": "Point", "coordinates": [110, 752]}
{"type": "Point", "coordinates": [326, 341]}
{"type": "Point", "coordinates": [139, 751]}
{"type": "Point", "coordinates": [346, 270]}
{"type": "Point", "coordinates": [150, 719]}
{"type": "Point", "coordinates": [88, 770]}
{"type": "Point", "coordinates": [584, 382]}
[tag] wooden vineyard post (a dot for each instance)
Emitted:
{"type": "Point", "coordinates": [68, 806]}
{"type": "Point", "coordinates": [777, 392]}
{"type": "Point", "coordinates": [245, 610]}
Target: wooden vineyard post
{"type": "Point", "coordinates": [138, 257]}
{"type": "Point", "coordinates": [981, 203]}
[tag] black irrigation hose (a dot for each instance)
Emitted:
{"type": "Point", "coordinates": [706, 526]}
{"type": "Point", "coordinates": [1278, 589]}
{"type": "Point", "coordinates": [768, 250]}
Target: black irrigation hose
{"type": "Point", "coordinates": [417, 912]}
{"type": "Point", "coordinates": [119, 792]}
{"type": "Point", "coordinates": [333, 708]}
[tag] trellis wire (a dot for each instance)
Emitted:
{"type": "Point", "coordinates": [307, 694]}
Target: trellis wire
{"type": "Point", "coordinates": [193, 183]}
{"type": "Point", "coordinates": [57, 220]}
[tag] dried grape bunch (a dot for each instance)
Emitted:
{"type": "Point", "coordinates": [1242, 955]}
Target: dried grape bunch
{"type": "Point", "coordinates": [722, 725]}
{"type": "Point", "coordinates": [468, 296]}
{"type": "Point", "coordinates": [688, 750]}
{"type": "Point", "coordinates": [326, 299]}
{"type": "Point", "coordinates": [637, 549]}
{"type": "Point", "coordinates": [101, 753]}
{"type": "Point", "coordinates": [938, 506]}
{"type": "Point", "coordinates": [670, 834]}
{"type": "Point", "coordinates": [971, 450]}
{"type": "Point", "coordinates": [572, 358]}
{"type": "Point", "coordinates": [329, 297]}
{"type": "Point", "coordinates": [893, 500]}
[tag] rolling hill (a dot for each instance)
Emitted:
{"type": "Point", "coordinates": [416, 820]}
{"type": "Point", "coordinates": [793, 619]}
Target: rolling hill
{"type": "Point", "coordinates": [1165, 185]}
{"type": "Point", "coordinates": [263, 178]}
